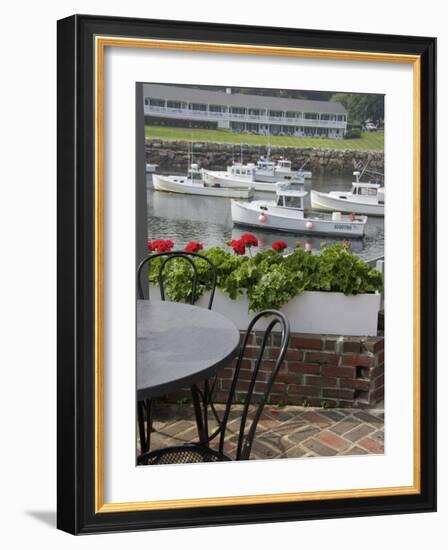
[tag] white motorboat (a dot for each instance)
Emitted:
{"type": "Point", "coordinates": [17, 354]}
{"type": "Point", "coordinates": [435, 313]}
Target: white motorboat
{"type": "Point", "coordinates": [291, 213]}
{"type": "Point", "coordinates": [262, 177]}
{"type": "Point", "coordinates": [267, 170]}
{"type": "Point", "coordinates": [364, 198]}
{"type": "Point", "coordinates": [151, 168]}
{"type": "Point", "coordinates": [238, 175]}
{"type": "Point", "coordinates": [193, 184]}
{"type": "Point", "coordinates": [284, 168]}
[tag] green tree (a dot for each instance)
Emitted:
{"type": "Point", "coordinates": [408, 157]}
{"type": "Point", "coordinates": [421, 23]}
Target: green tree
{"type": "Point", "coordinates": [361, 107]}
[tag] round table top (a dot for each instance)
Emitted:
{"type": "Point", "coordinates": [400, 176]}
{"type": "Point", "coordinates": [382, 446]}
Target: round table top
{"type": "Point", "coordinates": [179, 345]}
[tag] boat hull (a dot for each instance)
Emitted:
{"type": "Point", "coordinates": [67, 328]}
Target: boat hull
{"type": "Point", "coordinates": [225, 180]}
{"type": "Point", "coordinates": [269, 176]}
{"type": "Point", "coordinates": [245, 215]}
{"type": "Point", "coordinates": [172, 184]}
{"type": "Point", "coordinates": [328, 203]}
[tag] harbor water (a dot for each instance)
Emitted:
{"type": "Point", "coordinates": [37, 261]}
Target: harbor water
{"type": "Point", "coordinates": [184, 218]}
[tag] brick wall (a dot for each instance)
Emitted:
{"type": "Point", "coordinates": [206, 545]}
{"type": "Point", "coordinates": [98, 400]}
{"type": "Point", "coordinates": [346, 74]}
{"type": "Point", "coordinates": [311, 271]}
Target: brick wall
{"type": "Point", "coordinates": [318, 370]}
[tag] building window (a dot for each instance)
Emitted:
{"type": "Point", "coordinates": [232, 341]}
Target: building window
{"type": "Point", "coordinates": [156, 102]}
{"type": "Point", "coordinates": [237, 126]}
{"type": "Point", "coordinates": [217, 108]}
{"type": "Point", "coordinates": [291, 114]}
{"type": "Point", "coordinates": [275, 129]}
{"type": "Point", "coordinates": [311, 116]}
{"type": "Point", "coordinates": [341, 118]}
{"type": "Point", "coordinates": [173, 104]}
{"type": "Point", "coordinates": [198, 107]}
{"type": "Point", "coordinates": [238, 110]}
{"type": "Point", "coordinates": [276, 114]}
{"type": "Point", "coordinates": [252, 127]}
{"type": "Point", "coordinates": [324, 116]}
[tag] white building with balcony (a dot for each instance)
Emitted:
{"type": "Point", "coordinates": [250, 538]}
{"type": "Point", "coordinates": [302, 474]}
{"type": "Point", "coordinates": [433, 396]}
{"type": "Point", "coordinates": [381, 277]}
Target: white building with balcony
{"type": "Point", "coordinates": [258, 114]}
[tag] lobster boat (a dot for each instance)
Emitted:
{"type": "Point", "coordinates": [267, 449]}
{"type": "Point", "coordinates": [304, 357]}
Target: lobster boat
{"type": "Point", "coordinates": [194, 184]}
{"type": "Point", "coordinates": [291, 212]}
{"type": "Point", "coordinates": [364, 198]}
{"type": "Point", "coordinates": [262, 176]}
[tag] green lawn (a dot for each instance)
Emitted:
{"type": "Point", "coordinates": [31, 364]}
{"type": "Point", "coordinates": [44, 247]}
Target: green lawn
{"type": "Point", "coordinates": [370, 141]}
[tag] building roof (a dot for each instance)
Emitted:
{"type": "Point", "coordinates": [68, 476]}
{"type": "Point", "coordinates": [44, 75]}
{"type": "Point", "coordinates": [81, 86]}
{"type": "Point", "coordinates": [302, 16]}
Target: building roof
{"type": "Point", "coordinates": [179, 93]}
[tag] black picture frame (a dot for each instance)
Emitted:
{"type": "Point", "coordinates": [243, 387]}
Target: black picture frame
{"type": "Point", "coordinates": [76, 472]}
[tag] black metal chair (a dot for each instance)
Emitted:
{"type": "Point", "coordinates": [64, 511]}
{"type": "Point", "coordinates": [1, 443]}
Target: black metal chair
{"type": "Point", "coordinates": [185, 256]}
{"type": "Point", "coordinates": [190, 453]}
{"type": "Point", "coordinates": [144, 408]}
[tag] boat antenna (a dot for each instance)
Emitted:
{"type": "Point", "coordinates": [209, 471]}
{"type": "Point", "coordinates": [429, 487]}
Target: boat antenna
{"type": "Point", "coordinates": [364, 169]}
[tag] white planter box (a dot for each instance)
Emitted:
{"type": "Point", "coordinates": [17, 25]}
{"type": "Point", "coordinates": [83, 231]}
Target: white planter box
{"type": "Point", "coordinates": [310, 312]}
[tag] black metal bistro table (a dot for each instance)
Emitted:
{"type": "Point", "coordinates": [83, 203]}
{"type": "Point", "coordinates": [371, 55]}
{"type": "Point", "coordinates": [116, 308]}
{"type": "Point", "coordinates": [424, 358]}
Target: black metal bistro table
{"type": "Point", "coordinates": [180, 345]}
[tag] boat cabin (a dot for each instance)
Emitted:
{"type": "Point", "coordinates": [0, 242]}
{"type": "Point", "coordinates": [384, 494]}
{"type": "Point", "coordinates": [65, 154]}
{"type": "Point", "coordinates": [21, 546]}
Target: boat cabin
{"type": "Point", "coordinates": [294, 199]}
{"type": "Point", "coordinates": [368, 190]}
{"type": "Point", "coordinates": [365, 189]}
{"type": "Point", "coordinates": [284, 164]}
{"type": "Point", "coordinates": [195, 173]}
{"type": "Point", "coordinates": [361, 189]}
{"type": "Point", "coordinates": [265, 163]}
{"type": "Point", "coordinates": [238, 169]}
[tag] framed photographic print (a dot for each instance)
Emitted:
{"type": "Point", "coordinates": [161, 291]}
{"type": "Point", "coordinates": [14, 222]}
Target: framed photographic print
{"type": "Point", "coordinates": [246, 319]}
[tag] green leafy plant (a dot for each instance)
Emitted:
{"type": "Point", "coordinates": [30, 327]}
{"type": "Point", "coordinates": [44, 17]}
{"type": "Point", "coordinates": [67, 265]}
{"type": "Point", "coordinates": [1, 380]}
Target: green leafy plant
{"type": "Point", "coordinates": [270, 279]}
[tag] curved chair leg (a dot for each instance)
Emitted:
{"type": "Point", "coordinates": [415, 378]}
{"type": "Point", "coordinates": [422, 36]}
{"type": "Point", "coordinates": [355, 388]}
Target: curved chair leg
{"type": "Point", "coordinates": [141, 427]}
{"type": "Point", "coordinates": [144, 413]}
{"type": "Point", "coordinates": [202, 401]}
{"type": "Point", "coordinates": [200, 416]}
{"type": "Point", "coordinates": [149, 429]}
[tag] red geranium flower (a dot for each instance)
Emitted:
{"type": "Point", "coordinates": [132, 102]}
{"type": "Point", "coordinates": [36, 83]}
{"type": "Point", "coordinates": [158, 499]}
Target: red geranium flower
{"type": "Point", "coordinates": [238, 247]}
{"type": "Point", "coordinates": [193, 247]}
{"type": "Point", "coordinates": [165, 246]}
{"type": "Point", "coordinates": [249, 239]}
{"type": "Point", "coordinates": [152, 245]}
{"type": "Point", "coordinates": [279, 246]}
{"type": "Point", "coordinates": [160, 245]}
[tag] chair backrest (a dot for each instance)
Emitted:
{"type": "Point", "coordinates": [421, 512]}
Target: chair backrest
{"type": "Point", "coordinates": [246, 437]}
{"type": "Point", "coordinates": [179, 255]}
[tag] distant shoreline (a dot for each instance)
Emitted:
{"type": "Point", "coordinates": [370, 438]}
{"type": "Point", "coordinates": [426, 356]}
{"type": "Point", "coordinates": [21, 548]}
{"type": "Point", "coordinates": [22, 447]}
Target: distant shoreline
{"type": "Point", "coordinates": [172, 156]}
{"type": "Point", "coordinates": [369, 141]}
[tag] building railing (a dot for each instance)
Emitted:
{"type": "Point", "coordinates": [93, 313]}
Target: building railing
{"type": "Point", "coordinates": [239, 117]}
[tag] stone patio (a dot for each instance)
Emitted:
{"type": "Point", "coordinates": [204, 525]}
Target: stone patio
{"type": "Point", "coordinates": [283, 432]}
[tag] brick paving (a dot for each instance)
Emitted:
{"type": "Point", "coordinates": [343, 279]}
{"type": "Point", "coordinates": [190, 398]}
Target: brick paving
{"type": "Point", "coordinates": [283, 432]}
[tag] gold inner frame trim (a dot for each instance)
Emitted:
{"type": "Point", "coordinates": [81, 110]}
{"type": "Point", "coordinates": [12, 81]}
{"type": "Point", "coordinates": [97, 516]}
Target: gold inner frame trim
{"type": "Point", "coordinates": [101, 42]}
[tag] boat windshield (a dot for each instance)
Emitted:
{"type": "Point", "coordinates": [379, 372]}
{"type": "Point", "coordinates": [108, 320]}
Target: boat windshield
{"type": "Point", "coordinates": [265, 163]}
{"type": "Point", "coordinates": [366, 191]}
{"type": "Point", "coordinates": [194, 176]}
{"type": "Point", "coordinates": [292, 202]}
{"type": "Point", "coordinates": [242, 170]}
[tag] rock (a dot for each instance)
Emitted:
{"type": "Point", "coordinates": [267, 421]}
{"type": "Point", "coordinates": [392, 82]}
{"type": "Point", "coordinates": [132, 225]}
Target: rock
{"type": "Point", "coordinates": [173, 156]}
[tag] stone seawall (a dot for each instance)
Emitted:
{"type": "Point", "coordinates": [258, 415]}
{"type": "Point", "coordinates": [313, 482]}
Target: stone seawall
{"type": "Point", "coordinates": [172, 156]}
